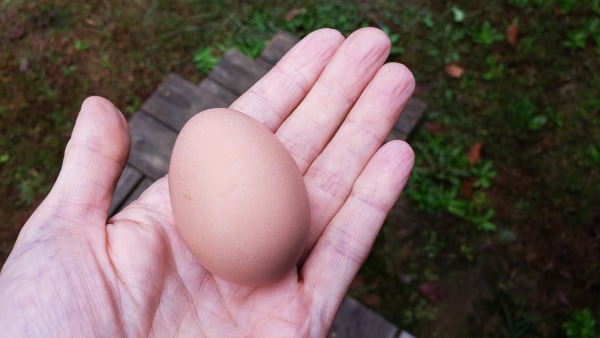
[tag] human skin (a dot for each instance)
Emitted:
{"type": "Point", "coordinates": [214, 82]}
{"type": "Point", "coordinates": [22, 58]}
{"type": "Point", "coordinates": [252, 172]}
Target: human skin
{"type": "Point", "coordinates": [331, 101]}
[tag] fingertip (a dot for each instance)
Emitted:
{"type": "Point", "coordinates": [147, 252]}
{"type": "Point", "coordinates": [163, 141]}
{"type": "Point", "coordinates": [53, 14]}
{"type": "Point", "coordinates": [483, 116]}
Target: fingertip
{"type": "Point", "coordinates": [94, 158]}
{"type": "Point", "coordinates": [327, 33]}
{"type": "Point", "coordinates": [324, 41]}
{"type": "Point", "coordinates": [405, 150]}
{"type": "Point", "coordinates": [95, 104]}
{"type": "Point", "coordinates": [402, 160]}
{"type": "Point", "coordinates": [386, 174]}
{"type": "Point", "coordinates": [397, 155]}
{"type": "Point", "coordinates": [399, 72]}
{"type": "Point", "coordinates": [372, 35]}
{"type": "Point", "coordinates": [397, 82]}
{"type": "Point", "coordinates": [101, 124]}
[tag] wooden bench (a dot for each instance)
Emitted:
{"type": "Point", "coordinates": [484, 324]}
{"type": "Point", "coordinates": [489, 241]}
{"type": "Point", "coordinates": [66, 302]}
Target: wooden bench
{"type": "Point", "coordinates": [155, 126]}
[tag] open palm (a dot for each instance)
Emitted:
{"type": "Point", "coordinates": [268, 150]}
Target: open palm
{"type": "Point", "coordinates": [331, 101]}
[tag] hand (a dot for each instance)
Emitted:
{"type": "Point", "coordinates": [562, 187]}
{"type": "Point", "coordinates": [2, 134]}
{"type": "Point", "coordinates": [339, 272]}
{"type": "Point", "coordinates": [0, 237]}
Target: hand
{"type": "Point", "coordinates": [331, 102]}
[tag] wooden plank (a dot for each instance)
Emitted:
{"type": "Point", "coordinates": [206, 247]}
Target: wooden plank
{"type": "Point", "coordinates": [281, 43]}
{"type": "Point", "coordinates": [139, 189]}
{"type": "Point", "coordinates": [263, 64]}
{"type": "Point", "coordinates": [128, 180]}
{"type": "Point", "coordinates": [410, 116]}
{"type": "Point", "coordinates": [237, 72]}
{"type": "Point", "coordinates": [405, 334]}
{"type": "Point", "coordinates": [176, 100]}
{"type": "Point", "coordinates": [151, 145]}
{"type": "Point", "coordinates": [218, 92]}
{"type": "Point", "coordinates": [408, 119]}
{"type": "Point", "coordinates": [354, 320]}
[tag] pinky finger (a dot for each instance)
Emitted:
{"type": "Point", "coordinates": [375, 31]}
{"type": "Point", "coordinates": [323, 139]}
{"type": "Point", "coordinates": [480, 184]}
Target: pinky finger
{"type": "Point", "coordinates": [347, 240]}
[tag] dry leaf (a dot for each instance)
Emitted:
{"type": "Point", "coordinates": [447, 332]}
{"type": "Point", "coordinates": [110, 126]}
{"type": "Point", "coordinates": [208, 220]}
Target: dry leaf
{"type": "Point", "coordinates": [17, 33]}
{"type": "Point", "coordinates": [434, 128]}
{"type": "Point", "coordinates": [371, 299]}
{"type": "Point", "coordinates": [466, 188]}
{"type": "Point", "coordinates": [563, 298]}
{"type": "Point", "coordinates": [357, 283]}
{"type": "Point", "coordinates": [24, 65]}
{"type": "Point", "coordinates": [454, 70]}
{"type": "Point", "coordinates": [512, 34]}
{"type": "Point", "coordinates": [474, 153]}
{"type": "Point", "coordinates": [565, 273]}
{"type": "Point", "coordinates": [432, 291]}
{"type": "Point", "coordinates": [292, 14]}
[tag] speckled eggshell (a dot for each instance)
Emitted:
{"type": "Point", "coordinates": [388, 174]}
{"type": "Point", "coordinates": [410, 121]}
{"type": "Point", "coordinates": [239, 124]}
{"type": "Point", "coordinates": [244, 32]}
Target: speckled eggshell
{"type": "Point", "coordinates": [238, 198]}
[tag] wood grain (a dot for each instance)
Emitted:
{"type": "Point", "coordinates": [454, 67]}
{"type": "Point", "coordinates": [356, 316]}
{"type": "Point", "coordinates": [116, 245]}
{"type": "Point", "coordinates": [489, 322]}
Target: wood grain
{"type": "Point", "coordinates": [128, 180]}
{"type": "Point", "coordinates": [139, 189]}
{"type": "Point", "coordinates": [237, 72]}
{"type": "Point", "coordinates": [176, 100]}
{"type": "Point", "coordinates": [281, 43]}
{"type": "Point", "coordinates": [355, 320]}
{"type": "Point", "coordinates": [151, 144]}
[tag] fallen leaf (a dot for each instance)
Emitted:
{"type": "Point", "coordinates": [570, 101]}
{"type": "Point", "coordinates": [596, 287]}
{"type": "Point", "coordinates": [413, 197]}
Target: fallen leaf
{"type": "Point", "coordinates": [406, 278]}
{"type": "Point", "coordinates": [371, 299]}
{"type": "Point", "coordinates": [466, 188]}
{"type": "Point", "coordinates": [512, 34]}
{"type": "Point", "coordinates": [557, 11]}
{"type": "Point", "coordinates": [17, 33]}
{"type": "Point", "coordinates": [289, 16]}
{"type": "Point", "coordinates": [92, 22]}
{"type": "Point", "coordinates": [432, 291]}
{"type": "Point", "coordinates": [562, 298]}
{"type": "Point", "coordinates": [24, 65]}
{"type": "Point", "coordinates": [459, 14]}
{"type": "Point", "coordinates": [565, 273]}
{"type": "Point", "coordinates": [474, 153]}
{"type": "Point", "coordinates": [568, 89]}
{"type": "Point", "coordinates": [434, 128]}
{"type": "Point", "coordinates": [357, 283]}
{"type": "Point", "coordinates": [454, 70]}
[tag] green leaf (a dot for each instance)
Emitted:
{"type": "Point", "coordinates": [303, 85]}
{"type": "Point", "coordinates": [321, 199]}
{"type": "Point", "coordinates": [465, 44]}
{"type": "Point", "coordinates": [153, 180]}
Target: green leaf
{"type": "Point", "coordinates": [581, 324]}
{"type": "Point", "coordinates": [428, 21]}
{"type": "Point", "coordinates": [81, 45]}
{"type": "Point", "coordinates": [487, 226]}
{"type": "Point", "coordinates": [537, 122]}
{"type": "Point", "coordinates": [507, 236]}
{"type": "Point", "coordinates": [459, 15]}
{"type": "Point", "coordinates": [576, 39]}
{"type": "Point", "coordinates": [487, 35]}
{"type": "Point", "coordinates": [205, 60]}
{"type": "Point", "coordinates": [396, 50]}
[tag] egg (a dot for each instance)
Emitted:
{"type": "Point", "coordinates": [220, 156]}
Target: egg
{"type": "Point", "coordinates": [239, 200]}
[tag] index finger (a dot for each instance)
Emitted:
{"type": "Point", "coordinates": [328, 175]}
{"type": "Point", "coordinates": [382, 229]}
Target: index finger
{"type": "Point", "coordinates": [278, 93]}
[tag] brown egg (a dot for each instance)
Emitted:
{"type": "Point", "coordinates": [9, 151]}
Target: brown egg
{"type": "Point", "coordinates": [238, 198]}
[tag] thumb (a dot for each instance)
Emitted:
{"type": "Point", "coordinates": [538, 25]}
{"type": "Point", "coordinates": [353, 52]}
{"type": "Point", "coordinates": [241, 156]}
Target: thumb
{"type": "Point", "coordinates": [94, 159]}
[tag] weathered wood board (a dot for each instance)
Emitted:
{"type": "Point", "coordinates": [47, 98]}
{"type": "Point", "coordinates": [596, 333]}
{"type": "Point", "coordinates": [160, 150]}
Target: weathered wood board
{"type": "Point", "coordinates": [151, 145]}
{"type": "Point", "coordinates": [364, 322]}
{"type": "Point", "coordinates": [177, 100]}
{"type": "Point", "coordinates": [408, 119]}
{"type": "Point", "coordinates": [130, 177]}
{"type": "Point", "coordinates": [237, 72]}
{"type": "Point", "coordinates": [138, 190]}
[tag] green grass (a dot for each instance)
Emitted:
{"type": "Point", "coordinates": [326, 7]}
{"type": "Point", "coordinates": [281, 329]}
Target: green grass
{"type": "Point", "coordinates": [504, 236]}
{"type": "Point", "coordinates": [581, 324]}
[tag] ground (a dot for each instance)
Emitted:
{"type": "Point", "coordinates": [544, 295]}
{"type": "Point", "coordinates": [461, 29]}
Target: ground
{"type": "Point", "coordinates": [498, 231]}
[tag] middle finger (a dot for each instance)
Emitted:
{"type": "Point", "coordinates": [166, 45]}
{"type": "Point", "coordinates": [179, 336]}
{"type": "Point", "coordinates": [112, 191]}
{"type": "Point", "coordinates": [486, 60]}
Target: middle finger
{"type": "Point", "coordinates": [310, 127]}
